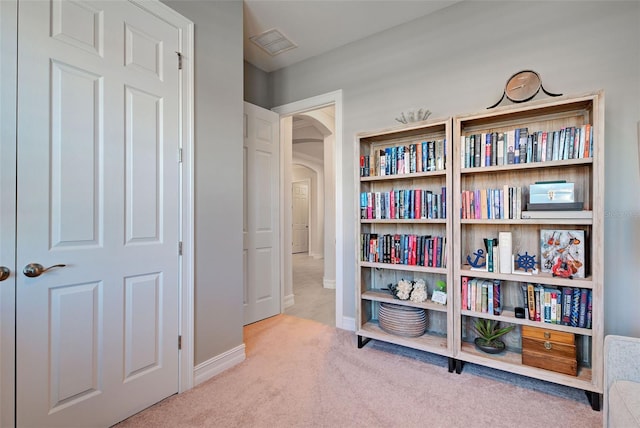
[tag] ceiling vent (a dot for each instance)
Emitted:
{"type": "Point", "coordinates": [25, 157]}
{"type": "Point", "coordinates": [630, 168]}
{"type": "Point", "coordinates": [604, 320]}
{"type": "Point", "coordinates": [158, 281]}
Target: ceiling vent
{"type": "Point", "coordinates": [273, 42]}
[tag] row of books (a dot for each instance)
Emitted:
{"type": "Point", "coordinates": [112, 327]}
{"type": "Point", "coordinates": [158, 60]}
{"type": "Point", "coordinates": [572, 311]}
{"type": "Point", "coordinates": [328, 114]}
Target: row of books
{"type": "Point", "coordinates": [570, 306]}
{"type": "Point", "coordinates": [521, 146]}
{"type": "Point", "coordinates": [481, 295]}
{"type": "Point", "coordinates": [406, 249]}
{"type": "Point", "coordinates": [403, 204]}
{"type": "Point", "coordinates": [505, 203]}
{"type": "Point", "coordinates": [405, 159]}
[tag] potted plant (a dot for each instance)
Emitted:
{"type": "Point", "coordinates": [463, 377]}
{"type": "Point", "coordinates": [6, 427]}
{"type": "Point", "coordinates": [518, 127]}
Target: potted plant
{"type": "Point", "coordinates": [489, 332]}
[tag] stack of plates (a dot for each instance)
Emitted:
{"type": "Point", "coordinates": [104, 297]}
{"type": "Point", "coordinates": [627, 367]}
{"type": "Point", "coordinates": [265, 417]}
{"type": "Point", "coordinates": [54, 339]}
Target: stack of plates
{"type": "Point", "coordinates": [402, 320]}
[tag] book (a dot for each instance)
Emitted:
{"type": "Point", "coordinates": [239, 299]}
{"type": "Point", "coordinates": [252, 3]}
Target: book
{"type": "Point", "coordinates": [505, 240]}
{"type": "Point", "coordinates": [567, 296]}
{"type": "Point", "coordinates": [464, 292]}
{"type": "Point", "coordinates": [582, 317]}
{"type": "Point", "coordinates": [555, 206]}
{"type": "Point", "coordinates": [497, 298]}
{"type": "Point", "coordinates": [557, 214]}
{"type": "Point", "coordinates": [531, 301]}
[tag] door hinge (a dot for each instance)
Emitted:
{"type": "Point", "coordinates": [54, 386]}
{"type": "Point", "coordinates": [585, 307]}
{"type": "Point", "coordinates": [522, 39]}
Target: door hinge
{"type": "Point", "coordinates": [179, 60]}
{"type": "Point", "coordinates": [180, 248]}
{"type": "Point", "coordinates": [179, 342]}
{"type": "Point", "coordinates": [180, 155]}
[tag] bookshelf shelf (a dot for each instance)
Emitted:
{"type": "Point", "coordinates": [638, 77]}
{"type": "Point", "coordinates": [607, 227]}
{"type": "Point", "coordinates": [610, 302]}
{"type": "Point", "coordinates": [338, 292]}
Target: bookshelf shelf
{"type": "Point", "coordinates": [404, 177]}
{"type": "Point", "coordinates": [524, 221]}
{"type": "Point", "coordinates": [541, 277]}
{"type": "Point", "coordinates": [412, 219]}
{"type": "Point", "coordinates": [509, 317]}
{"type": "Point", "coordinates": [512, 362]}
{"type": "Point", "coordinates": [405, 221]}
{"type": "Point", "coordinates": [427, 342]}
{"type": "Point", "coordinates": [570, 132]}
{"type": "Point", "coordinates": [406, 268]}
{"type": "Point", "coordinates": [383, 296]}
{"type": "Point", "coordinates": [533, 165]}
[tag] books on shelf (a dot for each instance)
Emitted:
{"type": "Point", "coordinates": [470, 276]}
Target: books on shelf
{"type": "Point", "coordinates": [569, 306]}
{"type": "Point", "coordinates": [421, 156]}
{"type": "Point", "coordinates": [403, 204]}
{"type": "Point", "coordinates": [406, 249]}
{"type": "Point", "coordinates": [481, 295]}
{"type": "Point", "coordinates": [493, 204]}
{"type": "Point", "coordinates": [521, 145]}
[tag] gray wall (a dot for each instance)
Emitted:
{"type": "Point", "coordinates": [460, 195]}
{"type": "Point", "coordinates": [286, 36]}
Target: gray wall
{"type": "Point", "coordinates": [457, 61]}
{"type": "Point", "coordinates": [218, 174]}
{"type": "Point", "coordinates": [256, 86]}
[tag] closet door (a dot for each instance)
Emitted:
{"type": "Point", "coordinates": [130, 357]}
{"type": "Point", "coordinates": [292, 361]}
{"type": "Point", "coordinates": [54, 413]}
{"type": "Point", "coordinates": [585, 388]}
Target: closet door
{"type": "Point", "coordinates": [98, 212]}
{"type": "Point", "coordinates": [8, 34]}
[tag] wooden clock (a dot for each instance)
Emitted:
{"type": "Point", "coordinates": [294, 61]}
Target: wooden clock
{"type": "Point", "coordinates": [523, 86]}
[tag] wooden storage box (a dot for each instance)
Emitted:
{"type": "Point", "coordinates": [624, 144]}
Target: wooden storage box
{"type": "Point", "coordinates": [549, 350]}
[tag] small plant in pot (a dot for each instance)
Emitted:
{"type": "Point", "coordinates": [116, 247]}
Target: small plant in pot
{"type": "Point", "coordinates": [489, 333]}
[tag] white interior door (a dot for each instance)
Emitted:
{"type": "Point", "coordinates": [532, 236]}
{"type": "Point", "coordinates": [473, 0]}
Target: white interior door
{"type": "Point", "coordinates": [97, 191]}
{"type": "Point", "coordinates": [8, 64]}
{"type": "Point", "coordinates": [261, 223]}
{"type": "Point", "coordinates": [300, 227]}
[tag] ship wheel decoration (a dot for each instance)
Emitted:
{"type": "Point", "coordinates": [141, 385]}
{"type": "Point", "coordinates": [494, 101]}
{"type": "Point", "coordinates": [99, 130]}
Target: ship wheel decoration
{"type": "Point", "coordinates": [526, 262]}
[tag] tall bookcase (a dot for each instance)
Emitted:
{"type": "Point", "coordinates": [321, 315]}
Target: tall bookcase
{"type": "Point", "coordinates": [383, 234]}
{"type": "Point", "coordinates": [583, 168]}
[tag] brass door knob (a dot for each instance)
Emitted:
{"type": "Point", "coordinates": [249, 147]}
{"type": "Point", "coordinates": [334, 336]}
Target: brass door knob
{"type": "Point", "coordinates": [4, 273]}
{"type": "Point", "coordinates": [33, 270]}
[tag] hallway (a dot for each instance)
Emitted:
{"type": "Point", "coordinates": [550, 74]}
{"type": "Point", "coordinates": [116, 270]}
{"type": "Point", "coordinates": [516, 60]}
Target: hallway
{"type": "Point", "coordinates": [312, 300]}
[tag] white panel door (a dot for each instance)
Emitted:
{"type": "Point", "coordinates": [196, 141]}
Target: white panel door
{"type": "Point", "coordinates": [8, 38]}
{"type": "Point", "coordinates": [261, 234]}
{"type": "Point", "coordinates": [98, 192]}
{"type": "Point", "coordinates": [300, 227]}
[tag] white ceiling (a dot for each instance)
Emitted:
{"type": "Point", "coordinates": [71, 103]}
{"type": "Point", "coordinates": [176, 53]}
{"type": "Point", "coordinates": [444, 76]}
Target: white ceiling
{"type": "Point", "coordinates": [318, 26]}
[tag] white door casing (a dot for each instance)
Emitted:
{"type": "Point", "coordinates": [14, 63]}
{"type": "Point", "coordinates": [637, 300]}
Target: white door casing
{"type": "Point", "coordinates": [300, 224]}
{"type": "Point", "coordinates": [98, 190]}
{"type": "Point", "coordinates": [261, 223]}
{"type": "Point", "coordinates": [286, 112]}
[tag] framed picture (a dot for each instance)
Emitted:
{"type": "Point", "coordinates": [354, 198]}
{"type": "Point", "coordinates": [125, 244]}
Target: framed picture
{"type": "Point", "coordinates": [562, 253]}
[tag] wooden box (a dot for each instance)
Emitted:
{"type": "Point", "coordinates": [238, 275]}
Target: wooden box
{"type": "Point", "coordinates": [549, 350]}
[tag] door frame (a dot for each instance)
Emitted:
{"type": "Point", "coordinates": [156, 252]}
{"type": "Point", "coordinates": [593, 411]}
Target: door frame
{"type": "Point", "coordinates": [287, 110]}
{"type": "Point", "coordinates": [8, 100]}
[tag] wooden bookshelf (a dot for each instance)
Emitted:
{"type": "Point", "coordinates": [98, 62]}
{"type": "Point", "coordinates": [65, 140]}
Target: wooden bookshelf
{"type": "Point", "coordinates": [588, 175]}
{"type": "Point", "coordinates": [374, 276]}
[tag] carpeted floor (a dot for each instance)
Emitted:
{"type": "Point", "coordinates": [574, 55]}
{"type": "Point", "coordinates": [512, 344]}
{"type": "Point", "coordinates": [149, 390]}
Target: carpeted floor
{"type": "Point", "coordinates": [300, 373]}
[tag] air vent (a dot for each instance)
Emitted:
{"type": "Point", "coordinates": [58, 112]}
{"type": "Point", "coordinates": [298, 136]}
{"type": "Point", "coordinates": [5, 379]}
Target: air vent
{"type": "Point", "coordinates": [273, 42]}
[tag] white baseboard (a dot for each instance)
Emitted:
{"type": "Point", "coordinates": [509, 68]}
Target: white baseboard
{"type": "Point", "coordinates": [218, 364]}
{"type": "Point", "coordinates": [289, 300]}
{"type": "Point", "coordinates": [348, 323]}
{"type": "Point", "coordinates": [329, 283]}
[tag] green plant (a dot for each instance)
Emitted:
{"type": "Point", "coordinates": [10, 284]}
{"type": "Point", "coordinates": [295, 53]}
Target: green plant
{"type": "Point", "coordinates": [489, 331]}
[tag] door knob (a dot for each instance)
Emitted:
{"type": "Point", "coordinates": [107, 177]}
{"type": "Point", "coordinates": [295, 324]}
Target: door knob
{"type": "Point", "coordinates": [4, 273]}
{"type": "Point", "coordinates": [33, 270]}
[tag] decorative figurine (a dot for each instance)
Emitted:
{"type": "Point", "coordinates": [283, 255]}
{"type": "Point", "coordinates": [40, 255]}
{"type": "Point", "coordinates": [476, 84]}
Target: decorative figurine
{"type": "Point", "coordinates": [477, 263]}
{"type": "Point", "coordinates": [526, 262]}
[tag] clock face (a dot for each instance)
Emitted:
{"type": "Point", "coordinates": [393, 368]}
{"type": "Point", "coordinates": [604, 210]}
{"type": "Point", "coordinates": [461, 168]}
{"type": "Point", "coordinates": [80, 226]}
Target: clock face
{"type": "Point", "coordinates": [523, 86]}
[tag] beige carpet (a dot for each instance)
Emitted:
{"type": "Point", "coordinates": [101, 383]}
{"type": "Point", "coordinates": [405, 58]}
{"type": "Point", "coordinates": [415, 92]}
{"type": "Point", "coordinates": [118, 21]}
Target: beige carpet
{"type": "Point", "coordinates": [299, 373]}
